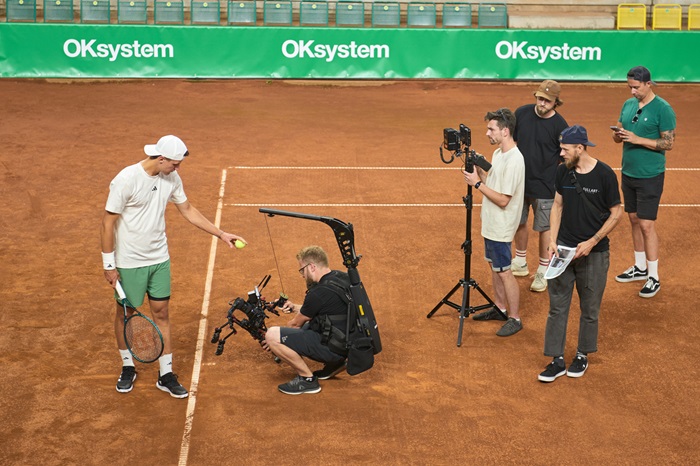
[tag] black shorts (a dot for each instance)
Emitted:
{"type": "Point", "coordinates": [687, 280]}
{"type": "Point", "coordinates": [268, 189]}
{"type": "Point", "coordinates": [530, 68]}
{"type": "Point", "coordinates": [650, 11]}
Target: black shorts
{"type": "Point", "coordinates": [308, 343]}
{"type": "Point", "coordinates": [643, 195]}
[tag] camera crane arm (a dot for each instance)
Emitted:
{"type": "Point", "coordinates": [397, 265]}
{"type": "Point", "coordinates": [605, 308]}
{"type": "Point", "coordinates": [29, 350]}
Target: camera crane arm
{"type": "Point", "coordinates": [344, 234]}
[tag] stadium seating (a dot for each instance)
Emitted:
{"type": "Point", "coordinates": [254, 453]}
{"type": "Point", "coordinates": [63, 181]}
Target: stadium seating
{"type": "Point", "coordinates": [313, 13]}
{"type": "Point", "coordinates": [386, 14]}
{"type": "Point", "coordinates": [631, 16]}
{"type": "Point", "coordinates": [58, 11]}
{"type": "Point", "coordinates": [95, 11]}
{"type": "Point", "coordinates": [242, 12]}
{"type": "Point", "coordinates": [132, 11]}
{"type": "Point", "coordinates": [456, 15]}
{"type": "Point", "coordinates": [694, 17]}
{"type": "Point", "coordinates": [21, 10]}
{"type": "Point", "coordinates": [666, 16]}
{"type": "Point", "coordinates": [205, 12]}
{"type": "Point", "coordinates": [492, 15]}
{"type": "Point", "coordinates": [168, 12]}
{"type": "Point", "coordinates": [277, 12]}
{"type": "Point", "coordinates": [421, 14]}
{"type": "Point", "coordinates": [350, 13]}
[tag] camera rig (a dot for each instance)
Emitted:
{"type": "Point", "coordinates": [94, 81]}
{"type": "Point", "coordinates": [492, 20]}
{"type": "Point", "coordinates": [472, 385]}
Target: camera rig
{"type": "Point", "coordinates": [459, 143]}
{"type": "Point", "coordinates": [255, 309]}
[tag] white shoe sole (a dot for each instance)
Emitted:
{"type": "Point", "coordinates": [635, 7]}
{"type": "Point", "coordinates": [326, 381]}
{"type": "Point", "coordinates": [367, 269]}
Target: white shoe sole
{"type": "Point", "coordinates": [300, 393]}
{"type": "Point", "coordinates": [543, 378]}
{"type": "Point", "coordinates": [130, 388]}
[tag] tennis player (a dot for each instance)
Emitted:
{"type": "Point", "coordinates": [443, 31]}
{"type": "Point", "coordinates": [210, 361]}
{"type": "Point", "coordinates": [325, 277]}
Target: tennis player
{"type": "Point", "coordinates": [135, 247]}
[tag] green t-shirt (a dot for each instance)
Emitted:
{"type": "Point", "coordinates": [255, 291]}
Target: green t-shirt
{"type": "Point", "coordinates": [655, 117]}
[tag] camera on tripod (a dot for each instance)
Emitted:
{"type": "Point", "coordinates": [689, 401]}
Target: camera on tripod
{"type": "Point", "coordinates": [459, 143]}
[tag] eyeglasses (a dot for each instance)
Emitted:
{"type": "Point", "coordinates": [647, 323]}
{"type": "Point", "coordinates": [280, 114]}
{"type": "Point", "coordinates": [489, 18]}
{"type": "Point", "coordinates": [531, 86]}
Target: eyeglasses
{"type": "Point", "coordinates": [636, 116]}
{"type": "Point", "coordinates": [301, 270]}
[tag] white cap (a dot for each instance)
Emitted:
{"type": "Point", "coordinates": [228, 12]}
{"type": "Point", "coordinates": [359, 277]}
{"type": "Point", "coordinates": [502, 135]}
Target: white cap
{"type": "Point", "coordinates": [171, 147]}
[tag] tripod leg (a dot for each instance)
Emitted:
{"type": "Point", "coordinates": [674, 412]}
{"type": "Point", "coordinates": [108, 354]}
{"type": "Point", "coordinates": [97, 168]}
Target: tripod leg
{"type": "Point", "coordinates": [446, 299]}
{"type": "Point", "coordinates": [486, 297]}
{"type": "Point", "coordinates": [463, 310]}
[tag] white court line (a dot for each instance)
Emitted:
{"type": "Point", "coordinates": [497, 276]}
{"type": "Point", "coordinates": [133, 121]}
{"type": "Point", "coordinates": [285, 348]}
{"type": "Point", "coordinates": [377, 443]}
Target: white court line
{"type": "Point", "coordinates": [192, 401]}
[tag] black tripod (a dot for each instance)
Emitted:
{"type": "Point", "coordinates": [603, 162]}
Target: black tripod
{"type": "Point", "coordinates": [467, 282]}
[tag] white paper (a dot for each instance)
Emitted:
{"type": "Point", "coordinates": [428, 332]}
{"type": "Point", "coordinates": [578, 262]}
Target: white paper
{"type": "Point", "coordinates": [558, 264]}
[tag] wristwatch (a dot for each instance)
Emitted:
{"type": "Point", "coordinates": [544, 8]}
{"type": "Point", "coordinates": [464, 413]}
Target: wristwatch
{"type": "Point", "coordinates": [478, 183]}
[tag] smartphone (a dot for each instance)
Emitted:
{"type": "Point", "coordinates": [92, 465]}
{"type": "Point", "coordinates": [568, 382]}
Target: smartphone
{"type": "Point", "coordinates": [615, 128]}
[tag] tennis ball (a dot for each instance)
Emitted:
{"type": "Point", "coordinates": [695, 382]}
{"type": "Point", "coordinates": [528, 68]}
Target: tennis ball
{"type": "Point", "coordinates": [239, 244]}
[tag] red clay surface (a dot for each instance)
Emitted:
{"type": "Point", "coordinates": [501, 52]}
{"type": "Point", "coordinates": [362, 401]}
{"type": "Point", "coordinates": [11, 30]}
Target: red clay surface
{"type": "Point", "coordinates": [426, 401]}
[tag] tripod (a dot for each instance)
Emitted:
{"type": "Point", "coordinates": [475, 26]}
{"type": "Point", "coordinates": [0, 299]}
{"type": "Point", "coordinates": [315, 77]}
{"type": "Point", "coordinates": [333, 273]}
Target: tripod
{"type": "Point", "coordinates": [466, 282]}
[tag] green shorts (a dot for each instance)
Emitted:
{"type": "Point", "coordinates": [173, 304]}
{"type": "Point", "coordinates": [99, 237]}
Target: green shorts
{"type": "Point", "coordinates": [153, 280]}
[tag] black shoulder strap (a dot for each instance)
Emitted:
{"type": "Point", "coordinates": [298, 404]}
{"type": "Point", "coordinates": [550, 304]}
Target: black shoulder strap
{"type": "Point", "coordinates": [579, 189]}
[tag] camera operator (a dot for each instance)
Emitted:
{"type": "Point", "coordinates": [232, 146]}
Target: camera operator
{"type": "Point", "coordinates": [304, 335]}
{"type": "Point", "coordinates": [503, 188]}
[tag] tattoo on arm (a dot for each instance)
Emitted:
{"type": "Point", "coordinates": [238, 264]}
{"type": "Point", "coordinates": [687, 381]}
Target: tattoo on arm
{"type": "Point", "coordinates": [666, 140]}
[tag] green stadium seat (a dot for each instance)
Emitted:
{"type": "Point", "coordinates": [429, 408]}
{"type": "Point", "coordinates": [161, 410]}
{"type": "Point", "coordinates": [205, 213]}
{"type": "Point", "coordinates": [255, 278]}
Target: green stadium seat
{"type": "Point", "coordinates": [421, 14]}
{"type": "Point", "coordinates": [456, 15]}
{"type": "Point", "coordinates": [168, 12]}
{"type": "Point", "coordinates": [205, 12]}
{"type": "Point", "coordinates": [242, 12]}
{"type": "Point", "coordinates": [60, 11]}
{"type": "Point", "coordinates": [386, 14]}
{"type": "Point", "coordinates": [132, 11]}
{"type": "Point", "coordinates": [313, 13]}
{"type": "Point", "coordinates": [350, 13]}
{"type": "Point", "coordinates": [492, 15]}
{"type": "Point", "coordinates": [21, 10]}
{"type": "Point", "coordinates": [95, 11]}
{"type": "Point", "coordinates": [277, 12]}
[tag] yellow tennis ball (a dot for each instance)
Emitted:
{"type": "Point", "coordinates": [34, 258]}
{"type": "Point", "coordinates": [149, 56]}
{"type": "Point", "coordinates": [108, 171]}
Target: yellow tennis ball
{"type": "Point", "coordinates": [239, 244]}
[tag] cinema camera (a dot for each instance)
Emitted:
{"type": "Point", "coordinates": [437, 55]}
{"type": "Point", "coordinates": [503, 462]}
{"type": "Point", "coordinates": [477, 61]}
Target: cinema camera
{"type": "Point", "coordinates": [255, 309]}
{"type": "Point", "coordinates": [459, 143]}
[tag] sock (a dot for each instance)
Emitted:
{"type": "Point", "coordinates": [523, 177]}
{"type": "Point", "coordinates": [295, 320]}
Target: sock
{"type": "Point", "coordinates": [166, 364]}
{"type": "Point", "coordinates": [653, 268]}
{"type": "Point", "coordinates": [581, 353]}
{"type": "Point", "coordinates": [127, 360]}
{"type": "Point", "coordinates": [544, 263]}
{"type": "Point", "coordinates": [520, 257]}
{"type": "Point", "coordinates": [640, 260]}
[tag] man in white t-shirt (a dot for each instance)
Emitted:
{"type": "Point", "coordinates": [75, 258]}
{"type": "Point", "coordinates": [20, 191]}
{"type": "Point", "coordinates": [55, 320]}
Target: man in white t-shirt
{"type": "Point", "coordinates": [135, 247]}
{"type": "Point", "coordinates": [503, 189]}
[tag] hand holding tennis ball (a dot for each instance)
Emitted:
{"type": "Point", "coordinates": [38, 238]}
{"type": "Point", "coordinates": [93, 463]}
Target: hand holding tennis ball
{"type": "Point", "coordinates": [239, 244]}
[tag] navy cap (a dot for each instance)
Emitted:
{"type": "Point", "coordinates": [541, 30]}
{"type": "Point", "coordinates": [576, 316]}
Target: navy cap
{"type": "Point", "coordinates": [575, 135]}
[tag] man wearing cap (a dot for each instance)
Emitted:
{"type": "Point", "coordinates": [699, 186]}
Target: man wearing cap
{"type": "Point", "coordinates": [586, 209]}
{"type": "Point", "coordinates": [537, 135]}
{"type": "Point", "coordinates": [647, 129]}
{"type": "Point", "coordinates": [135, 248]}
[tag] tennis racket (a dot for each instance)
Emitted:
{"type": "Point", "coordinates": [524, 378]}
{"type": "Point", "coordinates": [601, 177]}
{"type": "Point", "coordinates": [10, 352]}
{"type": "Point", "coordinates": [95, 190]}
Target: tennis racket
{"type": "Point", "coordinates": [143, 338]}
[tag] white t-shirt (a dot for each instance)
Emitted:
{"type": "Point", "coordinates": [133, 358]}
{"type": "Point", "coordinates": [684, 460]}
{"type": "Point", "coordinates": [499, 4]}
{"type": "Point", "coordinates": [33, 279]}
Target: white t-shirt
{"type": "Point", "coordinates": [141, 199]}
{"type": "Point", "coordinates": [507, 176]}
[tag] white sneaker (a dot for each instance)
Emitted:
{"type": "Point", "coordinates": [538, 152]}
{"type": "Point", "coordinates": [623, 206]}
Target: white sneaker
{"type": "Point", "coordinates": [539, 284]}
{"type": "Point", "coordinates": [519, 270]}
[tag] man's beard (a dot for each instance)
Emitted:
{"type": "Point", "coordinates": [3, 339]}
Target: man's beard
{"type": "Point", "coordinates": [572, 162]}
{"type": "Point", "coordinates": [541, 111]}
{"type": "Point", "coordinates": [310, 283]}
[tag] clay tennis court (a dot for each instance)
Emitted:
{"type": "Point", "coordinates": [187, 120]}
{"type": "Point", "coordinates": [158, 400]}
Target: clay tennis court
{"type": "Point", "coordinates": [366, 153]}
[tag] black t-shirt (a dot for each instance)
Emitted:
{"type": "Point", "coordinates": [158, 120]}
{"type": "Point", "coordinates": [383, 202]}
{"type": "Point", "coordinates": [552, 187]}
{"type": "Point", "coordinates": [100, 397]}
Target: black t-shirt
{"type": "Point", "coordinates": [321, 301]}
{"type": "Point", "coordinates": [538, 141]}
{"type": "Point", "coordinates": [578, 221]}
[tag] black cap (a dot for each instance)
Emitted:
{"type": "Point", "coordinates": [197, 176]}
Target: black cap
{"type": "Point", "coordinates": [641, 74]}
{"type": "Point", "coordinates": [575, 135]}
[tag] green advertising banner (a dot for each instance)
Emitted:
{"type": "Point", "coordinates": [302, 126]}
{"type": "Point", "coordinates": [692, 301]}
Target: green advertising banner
{"type": "Point", "coordinates": [151, 51]}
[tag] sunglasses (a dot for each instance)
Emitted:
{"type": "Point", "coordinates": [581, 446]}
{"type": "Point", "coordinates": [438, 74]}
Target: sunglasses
{"type": "Point", "coordinates": [636, 116]}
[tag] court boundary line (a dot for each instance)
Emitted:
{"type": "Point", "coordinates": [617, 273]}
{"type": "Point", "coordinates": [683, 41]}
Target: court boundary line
{"type": "Point", "coordinates": [197, 364]}
{"type": "Point", "coordinates": [394, 205]}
